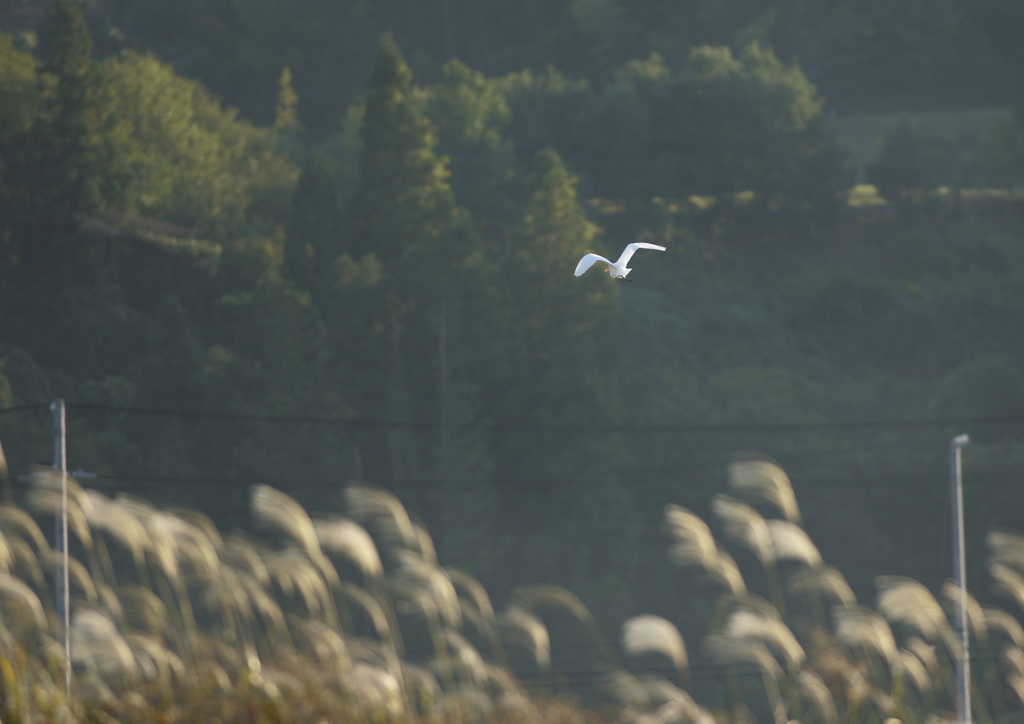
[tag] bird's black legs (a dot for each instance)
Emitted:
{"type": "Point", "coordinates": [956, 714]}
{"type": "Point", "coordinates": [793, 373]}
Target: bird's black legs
{"type": "Point", "coordinates": [628, 279]}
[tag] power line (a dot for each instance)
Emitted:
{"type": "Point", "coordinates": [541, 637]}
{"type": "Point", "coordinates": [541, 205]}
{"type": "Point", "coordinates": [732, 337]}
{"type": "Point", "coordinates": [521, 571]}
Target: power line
{"type": "Point", "coordinates": [360, 422]}
{"type": "Point", "coordinates": [23, 408]}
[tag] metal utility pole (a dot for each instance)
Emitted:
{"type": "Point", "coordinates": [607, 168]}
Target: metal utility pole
{"type": "Point", "coordinates": [60, 464]}
{"type": "Point", "coordinates": [963, 669]}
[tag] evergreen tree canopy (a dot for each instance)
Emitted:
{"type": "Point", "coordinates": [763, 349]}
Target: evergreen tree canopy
{"type": "Point", "coordinates": [403, 200]}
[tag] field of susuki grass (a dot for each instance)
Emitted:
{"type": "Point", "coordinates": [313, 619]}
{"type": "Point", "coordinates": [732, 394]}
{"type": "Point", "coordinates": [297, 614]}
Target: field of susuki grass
{"type": "Point", "coordinates": [350, 617]}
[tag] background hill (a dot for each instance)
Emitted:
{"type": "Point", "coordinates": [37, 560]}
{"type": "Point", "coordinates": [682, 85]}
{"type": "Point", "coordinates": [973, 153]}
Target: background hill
{"type": "Point", "coordinates": [367, 266]}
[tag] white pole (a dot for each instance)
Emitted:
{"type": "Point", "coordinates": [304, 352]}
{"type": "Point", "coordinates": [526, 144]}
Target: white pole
{"type": "Point", "coordinates": [963, 690]}
{"type": "Point", "coordinates": [60, 463]}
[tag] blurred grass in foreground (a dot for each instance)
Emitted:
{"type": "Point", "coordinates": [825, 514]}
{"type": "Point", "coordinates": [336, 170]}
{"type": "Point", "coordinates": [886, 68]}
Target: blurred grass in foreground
{"type": "Point", "coordinates": [336, 618]}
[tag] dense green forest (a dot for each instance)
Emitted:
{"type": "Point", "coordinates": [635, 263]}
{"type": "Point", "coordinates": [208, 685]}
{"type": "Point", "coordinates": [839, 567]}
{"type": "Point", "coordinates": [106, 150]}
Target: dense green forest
{"type": "Point", "coordinates": [366, 269]}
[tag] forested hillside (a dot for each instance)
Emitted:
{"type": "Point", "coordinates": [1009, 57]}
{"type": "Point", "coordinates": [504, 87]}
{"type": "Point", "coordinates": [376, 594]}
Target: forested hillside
{"type": "Point", "coordinates": [366, 271]}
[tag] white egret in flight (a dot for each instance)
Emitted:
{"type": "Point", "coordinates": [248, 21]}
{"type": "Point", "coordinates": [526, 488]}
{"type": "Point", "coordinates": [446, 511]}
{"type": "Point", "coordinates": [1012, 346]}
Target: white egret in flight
{"type": "Point", "coordinates": [617, 269]}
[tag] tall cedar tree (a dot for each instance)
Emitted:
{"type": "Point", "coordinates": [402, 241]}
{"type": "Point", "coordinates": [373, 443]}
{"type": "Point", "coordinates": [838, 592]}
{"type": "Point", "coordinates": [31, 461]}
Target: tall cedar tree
{"type": "Point", "coordinates": [56, 173]}
{"type": "Point", "coordinates": [403, 199]}
{"type": "Point", "coordinates": [314, 229]}
{"type": "Point", "coordinates": [50, 170]}
{"type": "Point", "coordinates": [69, 141]}
{"type": "Point", "coordinates": [404, 213]}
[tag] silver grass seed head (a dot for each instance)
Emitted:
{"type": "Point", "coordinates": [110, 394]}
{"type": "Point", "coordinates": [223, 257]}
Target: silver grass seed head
{"type": "Point", "coordinates": [160, 533]}
{"type": "Point", "coordinates": [474, 590]}
{"type": "Point", "coordinates": [914, 670]}
{"type": "Point", "coordinates": [344, 537]}
{"type": "Point", "coordinates": [520, 628]}
{"type": "Point", "coordinates": [765, 481]}
{"type": "Point", "coordinates": [998, 620]}
{"type": "Point", "coordinates": [78, 575]}
{"type": "Point", "coordinates": [728, 574]}
{"type": "Point", "coordinates": [537, 596]}
{"type": "Point", "coordinates": [1016, 682]}
{"type": "Point", "coordinates": [791, 543]}
{"type": "Point", "coordinates": [121, 523]}
{"type": "Point", "coordinates": [1008, 582]}
{"type": "Point", "coordinates": [420, 574]}
{"type": "Point", "coordinates": [46, 500]}
{"type": "Point", "coordinates": [326, 644]}
{"type": "Point", "coordinates": [465, 655]}
{"type": "Point", "coordinates": [860, 627]}
{"type": "Point", "coordinates": [370, 504]}
{"type": "Point", "coordinates": [279, 511]}
{"type": "Point", "coordinates": [500, 680]}
{"type": "Point", "coordinates": [25, 559]}
{"type": "Point", "coordinates": [1006, 547]}
{"type": "Point", "coordinates": [748, 624]}
{"type": "Point", "coordinates": [824, 580]}
{"type": "Point", "coordinates": [425, 544]}
{"type": "Point", "coordinates": [292, 570]}
{"type": "Point", "coordinates": [654, 634]}
{"type": "Point", "coordinates": [194, 547]}
{"type": "Point", "coordinates": [422, 686]}
{"type": "Point", "coordinates": [155, 662]}
{"type": "Point", "coordinates": [201, 522]}
{"type": "Point", "coordinates": [377, 690]}
{"type": "Point", "coordinates": [96, 641]}
{"type": "Point", "coordinates": [15, 520]}
{"type": "Point", "coordinates": [370, 607]}
{"type": "Point", "coordinates": [624, 688]}
{"type": "Point", "coordinates": [726, 649]}
{"type": "Point", "coordinates": [692, 541]}
{"type": "Point", "coordinates": [813, 689]}
{"type": "Point", "coordinates": [746, 526]}
{"type": "Point", "coordinates": [247, 555]}
{"type": "Point", "coordinates": [144, 610]}
{"type": "Point", "coordinates": [15, 593]}
{"type": "Point", "coordinates": [925, 653]}
{"type": "Point", "coordinates": [975, 615]}
{"type": "Point", "coordinates": [7, 554]}
{"type": "Point", "coordinates": [906, 601]}
{"type": "Point", "coordinates": [109, 601]}
{"type": "Point", "coordinates": [262, 602]}
{"type": "Point", "coordinates": [1013, 658]}
{"type": "Point", "coordinates": [225, 594]}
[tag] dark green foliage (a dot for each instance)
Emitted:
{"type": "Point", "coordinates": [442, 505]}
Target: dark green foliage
{"type": "Point", "coordinates": [719, 125]}
{"type": "Point", "coordinates": [403, 201]}
{"type": "Point", "coordinates": [910, 165]}
{"type": "Point", "coordinates": [314, 236]}
{"type": "Point", "coordinates": [66, 140]}
{"type": "Point", "coordinates": [473, 118]}
{"type": "Point", "coordinates": [406, 261]}
{"type": "Point", "coordinates": [861, 53]}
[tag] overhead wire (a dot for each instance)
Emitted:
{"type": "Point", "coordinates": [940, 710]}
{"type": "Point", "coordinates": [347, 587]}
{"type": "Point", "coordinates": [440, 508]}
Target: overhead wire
{"type": "Point", "coordinates": [570, 427]}
{"type": "Point", "coordinates": [23, 408]}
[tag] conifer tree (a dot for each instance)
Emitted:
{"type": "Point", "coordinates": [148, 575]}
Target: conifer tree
{"type": "Point", "coordinates": [286, 116]}
{"type": "Point", "coordinates": [546, 246]}
{"type": "Point", "coordinates": [314, 230]}
{"type": "Point", "coordinates": [69, 141]}
{"type": "Point", "coordinates": [404, 213]}
{"type": "Point", "coordinates": [403, 200]}
{"type": "Point", "coordinates": [565, 348]}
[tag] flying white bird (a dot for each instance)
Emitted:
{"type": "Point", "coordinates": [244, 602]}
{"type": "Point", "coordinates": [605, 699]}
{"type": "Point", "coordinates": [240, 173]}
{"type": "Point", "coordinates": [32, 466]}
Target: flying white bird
{"type": "Point", "coordinates": [617, 269]}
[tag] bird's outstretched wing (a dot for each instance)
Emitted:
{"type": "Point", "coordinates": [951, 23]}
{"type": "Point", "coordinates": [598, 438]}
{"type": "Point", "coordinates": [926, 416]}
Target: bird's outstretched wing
{"type": "Point", "coordinates": [588, 261]}
{"type": "Point", "coordinates": [628, 252]}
